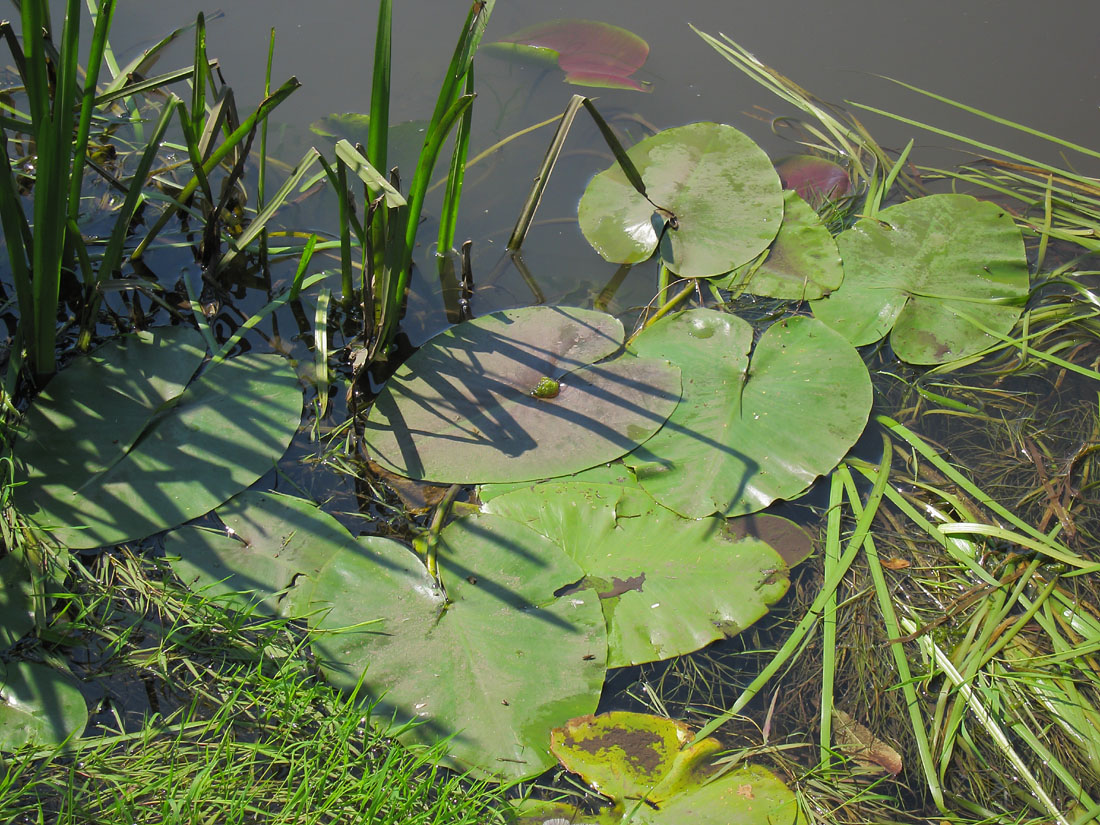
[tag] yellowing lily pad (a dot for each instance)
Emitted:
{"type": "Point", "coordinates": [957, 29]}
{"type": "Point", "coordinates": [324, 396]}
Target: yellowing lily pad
{"type": "Point", "coordinates": [653, 775]}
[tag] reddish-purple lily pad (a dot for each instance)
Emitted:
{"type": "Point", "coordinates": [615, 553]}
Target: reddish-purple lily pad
{"type": "Point", "coordinates": [816, 179]}
{"type": "Point", "coordinates": [590, 53]}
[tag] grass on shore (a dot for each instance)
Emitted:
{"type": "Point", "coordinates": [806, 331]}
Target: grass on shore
{"type": "Point", "coordinates": [240, 729]}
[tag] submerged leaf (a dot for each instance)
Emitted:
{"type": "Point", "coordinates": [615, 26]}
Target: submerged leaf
{"type": "Point", "coordinates": [591, 53]}
{"type": "Point", "coordinates": [476, 403]}
{"type": "Point", "coordinates": [116, 449]}
{"type": "Point", "coordinates": [749, 432]}
{"type": "Point", "coordinates": [494, 661]}
{"type": "Point", "coordinates": [815, 179]}
{"type": "Point", "coordinates": [856, 740]}
{"type": "Point", "coordinates": [667, 585]}
{"type": "Point", "coordinates": [717, 184]}
{"type": "Point", "coordinates": [918, 268]}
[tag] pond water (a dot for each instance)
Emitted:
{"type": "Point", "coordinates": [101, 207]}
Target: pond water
{"type": "Point", "coordinates": [989, 54]}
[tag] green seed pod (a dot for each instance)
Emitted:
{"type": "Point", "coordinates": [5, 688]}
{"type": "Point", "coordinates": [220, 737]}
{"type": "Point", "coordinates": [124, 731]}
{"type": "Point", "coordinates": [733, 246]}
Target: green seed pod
{"type": "Point", "coordinates": [546, 388]}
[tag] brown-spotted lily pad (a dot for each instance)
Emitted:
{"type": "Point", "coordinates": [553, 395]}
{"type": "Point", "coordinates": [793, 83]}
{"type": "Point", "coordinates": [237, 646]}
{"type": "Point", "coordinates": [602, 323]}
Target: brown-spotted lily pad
{"type": "Point", "coordinates": [667, 585]}
{"type": "Point", "coordinates": [654, 775]}
{"type": "Point", "coordinates": [516, 396]}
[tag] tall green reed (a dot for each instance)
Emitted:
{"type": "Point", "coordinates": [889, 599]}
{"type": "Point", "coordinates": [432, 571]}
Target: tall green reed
{"type": "Point", "coordinates": [38, 254]}
{"type": "Point", "coordinates": [56, 131]}
{"type": "Point", "coordinates": [386, 236]}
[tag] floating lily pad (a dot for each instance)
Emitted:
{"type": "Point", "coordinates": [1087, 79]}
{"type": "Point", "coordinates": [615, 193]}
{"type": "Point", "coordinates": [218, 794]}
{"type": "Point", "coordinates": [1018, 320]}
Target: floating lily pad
{"type": "Point", "coordinates": [720, 186]}
{"type": "Point", "coordinates": [117, 449]}
{"type": "Point", "coordinates": [277, 546]}
{"type": "Point", "coordinates": [667, 585]}
{"type": "Point", "coordinates": [919, 267]}
{"type": "Point", "coordinates": [38, 706]}
{"type": "Point", "coordinates": [615, 473]}
{"type": "Point", "coordinates": [803, 263]}
{"type": "Point", "coordinates": [748, 433]}
{"type": "Point", "coordinates": [590, 53]}
{"type": "Point", "coordinates": [496, 661]}
{"type": "Point", "coordinates": [464, 409]}
{"type": "Point", "coordinates": [645, 765]}
{"type": "Point", "coordinates": [814, 178]}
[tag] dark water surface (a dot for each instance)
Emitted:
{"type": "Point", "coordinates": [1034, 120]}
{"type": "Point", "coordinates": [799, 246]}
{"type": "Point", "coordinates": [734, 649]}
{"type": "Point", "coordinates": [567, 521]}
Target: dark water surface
{"type": "Point", "coordinates": [1033, 63]}
{"type": "Point", "coordinates": [1001, 56]}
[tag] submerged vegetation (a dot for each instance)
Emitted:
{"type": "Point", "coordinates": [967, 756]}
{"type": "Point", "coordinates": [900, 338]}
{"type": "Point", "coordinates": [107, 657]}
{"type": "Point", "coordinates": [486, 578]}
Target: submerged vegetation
{"type": "Point", "coordinates": [555, 517]}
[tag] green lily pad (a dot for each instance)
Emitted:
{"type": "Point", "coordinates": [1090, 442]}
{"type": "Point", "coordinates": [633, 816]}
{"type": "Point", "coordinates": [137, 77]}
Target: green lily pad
{"type": "Point", "coordinates": [116, 447]}
{"type": "Point", "coordinates": [658, 603]}
{"type": "Point", "coordinates": [591, 53]}
{"type": "Point", "coordinates": [748, 433]}
{"type": "Point", "coordinates": [615, 473]}
{"type": "Point", "coordinates": [803, 263]}
{"type": "Point", "coordinates": [917, 269]}
{"type": "Point", "coordinates": [277, 546]}
{"type": "Point", "coordinates": [38, 706]}
{"type": "Point", "coordinates": [720, 186]}
{"type": "Point", "coordinates": [463, 409]}
{"type": "Point", "coordinates": [645, 765]}
{"type": "Point", "coordinates": [494, 662]}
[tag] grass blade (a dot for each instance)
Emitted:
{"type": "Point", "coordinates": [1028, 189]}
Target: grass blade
{"type": "Point", "coordinates": [102, 27]}
{"type": "Point", "coordinates": [448, 218]}
{"type": "Point", "coordinates": [368, 173]}
{"type": "Point", "coordinates": [379, 127]}
{"type": "Point", "coordinates": [322, 377]}
{"type": "Point", "coordinates": [828, 620]}
{"type": "Point", "coordinates": [807, 623]}
{"type": "Point", "coordinates": [230, 144]}
{"type": "Point", "coordinates": [259, 223]}
{"type": "Point", "coordinates": [901, 661]}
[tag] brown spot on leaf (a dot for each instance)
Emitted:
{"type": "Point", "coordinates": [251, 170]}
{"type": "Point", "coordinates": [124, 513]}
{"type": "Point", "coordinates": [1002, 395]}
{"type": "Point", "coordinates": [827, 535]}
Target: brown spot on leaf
{"type": "Point", "coordinates": [641, 747]}
{"type": "Point", "coordinates": [620, 586]}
